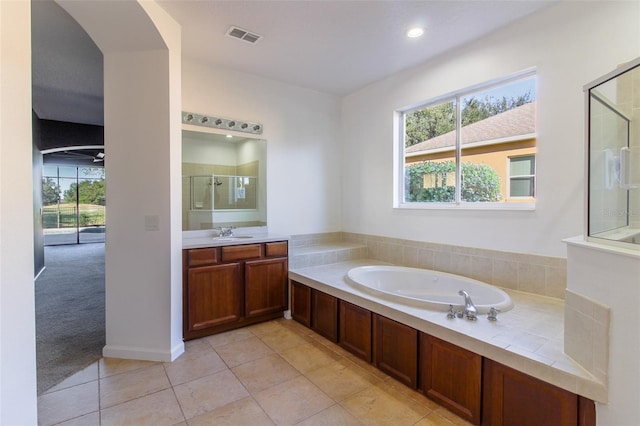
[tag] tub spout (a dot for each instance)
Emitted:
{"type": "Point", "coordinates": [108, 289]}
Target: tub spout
{"type": "Point", "coordinates": [470, 311]}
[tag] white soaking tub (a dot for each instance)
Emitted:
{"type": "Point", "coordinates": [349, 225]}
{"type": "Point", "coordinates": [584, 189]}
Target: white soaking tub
{"type": "Point", "coordinates": [427, 289]}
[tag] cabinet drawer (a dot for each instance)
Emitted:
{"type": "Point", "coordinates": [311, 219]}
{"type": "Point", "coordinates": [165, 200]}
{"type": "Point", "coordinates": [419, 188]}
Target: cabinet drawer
{"type": "Point", "coordinates": [202, 256]}
{"type": "Point", "coordinates": [276, 249]}
{"type": "Point", "coordinates": [246, 251]}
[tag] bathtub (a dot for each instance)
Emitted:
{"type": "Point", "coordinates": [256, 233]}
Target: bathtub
{"type": "Point", "coordinates": [427, 289]}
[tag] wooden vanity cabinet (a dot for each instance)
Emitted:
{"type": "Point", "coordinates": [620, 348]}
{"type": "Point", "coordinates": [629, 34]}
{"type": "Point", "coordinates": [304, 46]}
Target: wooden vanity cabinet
{"type": "Point", "coordinates": [355, 329]}
{"type": "Point", "coordinates": [514, 398]}
{"type": "Point", "coordinates": [395, 350]}
{"type": "Point", "coordinates": [451, 376]}
{"type": "Point", "coordinates": [265, 287]}
{"type": "Point", "coordinates": [231, 286]}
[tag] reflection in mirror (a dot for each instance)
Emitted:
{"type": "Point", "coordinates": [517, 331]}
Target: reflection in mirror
{"type": "Point", "coordinates": [223, 181]}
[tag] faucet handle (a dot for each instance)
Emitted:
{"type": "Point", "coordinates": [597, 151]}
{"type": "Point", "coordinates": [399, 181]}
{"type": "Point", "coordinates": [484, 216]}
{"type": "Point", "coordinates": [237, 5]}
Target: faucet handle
{"type": "Point", "coordinates": [493, 314]}
{"type": "Point", "coordinates": [451, 314]}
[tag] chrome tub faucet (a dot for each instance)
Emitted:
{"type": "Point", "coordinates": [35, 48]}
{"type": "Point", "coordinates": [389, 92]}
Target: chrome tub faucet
{"type": "Point", "coordinates": [470, 311]}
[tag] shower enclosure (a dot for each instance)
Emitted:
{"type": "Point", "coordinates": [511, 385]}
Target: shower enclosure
{"type": "Point", "coordinates": [613, 155]}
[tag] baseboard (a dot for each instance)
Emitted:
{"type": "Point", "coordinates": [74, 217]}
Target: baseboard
{"type": "Point", "coordinates": [125, 352]}
{"type": "Point", "coordinates": [39, 273]}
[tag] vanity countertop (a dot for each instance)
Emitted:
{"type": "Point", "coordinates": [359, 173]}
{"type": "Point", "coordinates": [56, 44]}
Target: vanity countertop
{"type": "Point", "coordinates": [528, 338]}
{"type": "Point", "coordinates": [210, 239]}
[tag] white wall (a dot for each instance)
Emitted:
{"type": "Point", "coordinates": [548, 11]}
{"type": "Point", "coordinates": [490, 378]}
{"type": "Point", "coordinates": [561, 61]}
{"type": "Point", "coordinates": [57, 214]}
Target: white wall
{"type": "Point", "coordinates": [143, 143]}
{"type": "Point", "coordinates": [17, 311]}
{"type": "Point", "coordinates": [303, 149]}
{"type": "Point", "coordinates": [571, 44]}
{"type": "Point", "coordinates": [610, 277]}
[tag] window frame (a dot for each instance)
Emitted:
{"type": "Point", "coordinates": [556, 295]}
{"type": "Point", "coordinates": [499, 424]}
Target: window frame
{"type": "Point", "coordinates": [532, 177]}
{"type": "Point", "coordinates": [399, 152]}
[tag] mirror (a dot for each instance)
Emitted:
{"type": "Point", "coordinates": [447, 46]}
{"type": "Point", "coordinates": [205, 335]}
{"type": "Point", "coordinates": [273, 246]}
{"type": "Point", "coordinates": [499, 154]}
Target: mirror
{"type": "Point", "coordinates": [223, 181]}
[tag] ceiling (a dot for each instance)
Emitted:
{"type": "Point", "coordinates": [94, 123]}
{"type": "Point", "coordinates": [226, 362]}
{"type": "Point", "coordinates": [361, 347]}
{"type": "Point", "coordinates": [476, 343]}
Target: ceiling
{"type": "Point", "coordinates": [336, 47]}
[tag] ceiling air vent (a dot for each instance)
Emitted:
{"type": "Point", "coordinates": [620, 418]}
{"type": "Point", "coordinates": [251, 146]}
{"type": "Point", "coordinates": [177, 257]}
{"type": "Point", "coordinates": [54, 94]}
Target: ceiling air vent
{"type": "Point", "coordinates": [243, 35]}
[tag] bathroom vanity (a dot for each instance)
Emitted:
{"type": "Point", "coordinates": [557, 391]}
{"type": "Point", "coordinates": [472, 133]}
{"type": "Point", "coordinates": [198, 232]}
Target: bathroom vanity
{"type": "Point", "coordinates": [232, 282]}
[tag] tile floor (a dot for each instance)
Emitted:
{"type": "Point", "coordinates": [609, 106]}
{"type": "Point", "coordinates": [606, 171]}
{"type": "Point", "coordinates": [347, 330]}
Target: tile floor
{"type": "Point", "coordinates": [277, 372]}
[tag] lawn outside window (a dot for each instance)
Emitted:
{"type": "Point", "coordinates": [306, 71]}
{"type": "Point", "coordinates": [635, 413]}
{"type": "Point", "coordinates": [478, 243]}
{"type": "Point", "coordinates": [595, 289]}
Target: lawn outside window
{"type": "Point", "coordinates": [474, 148]}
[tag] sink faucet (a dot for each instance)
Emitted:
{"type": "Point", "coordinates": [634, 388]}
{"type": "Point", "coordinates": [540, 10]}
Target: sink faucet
{"type": "Point", "coordinates": [225, 231]}
{"type": "Point", "coordinates": [470, 311]}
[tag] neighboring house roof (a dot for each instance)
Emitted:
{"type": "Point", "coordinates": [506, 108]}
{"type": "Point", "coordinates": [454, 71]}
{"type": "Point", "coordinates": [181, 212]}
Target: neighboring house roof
{"type": "Point", "coordinates": [509, 124]}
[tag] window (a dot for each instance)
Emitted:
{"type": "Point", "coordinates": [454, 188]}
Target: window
{"type": "Point", "coordinates": [473, 147]}
{"type": "Point", "coordinates": [522, 176]}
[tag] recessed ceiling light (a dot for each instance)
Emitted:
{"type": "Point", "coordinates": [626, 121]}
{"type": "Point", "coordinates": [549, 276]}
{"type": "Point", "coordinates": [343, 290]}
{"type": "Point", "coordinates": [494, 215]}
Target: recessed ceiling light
{"type": "Point", "coordinates": [415, 32]}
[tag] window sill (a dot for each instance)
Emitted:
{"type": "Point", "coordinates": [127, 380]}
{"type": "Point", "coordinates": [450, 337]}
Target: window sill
{"type": "Point", "coordinates": [467, 206]}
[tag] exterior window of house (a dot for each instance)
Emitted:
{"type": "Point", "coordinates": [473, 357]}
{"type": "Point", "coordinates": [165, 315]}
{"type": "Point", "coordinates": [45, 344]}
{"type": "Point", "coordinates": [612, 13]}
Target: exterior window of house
{"type": "Point", "coordinates": [472, 148]}
{"type": "Point", "coordinates": [522, 171]}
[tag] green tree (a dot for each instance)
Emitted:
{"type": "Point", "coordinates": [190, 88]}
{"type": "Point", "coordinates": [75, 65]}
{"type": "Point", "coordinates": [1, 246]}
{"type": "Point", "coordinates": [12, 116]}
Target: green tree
{"type": "Point", "coordinates": [479, 182]}
{"type": "Point", "coordinates": [50, 191]}
{"type": "Point", "coordinates": [475, 109]}
{"type": "Point", "coordinates": [88, 191]}
{"type": "Point", "coordinates": [429, 122]}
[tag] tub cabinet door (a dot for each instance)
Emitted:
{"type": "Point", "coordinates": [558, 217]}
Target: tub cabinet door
{"type": "Point", "coordinates": [355, 330]}
{"type": "Point", "coordinates": [514, 398]}
{"type": "Point", "coordinates": [451, 376]}
{"type": "Point", "coordinates": [301, 303]}
{"type": "Point", "coordinates": [396, 350]}
{"type": "Point", "coordinates": [324, 314]}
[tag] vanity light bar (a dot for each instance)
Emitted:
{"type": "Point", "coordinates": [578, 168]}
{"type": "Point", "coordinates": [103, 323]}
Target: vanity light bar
{"type": "Point", "coordinates": [221, 123]}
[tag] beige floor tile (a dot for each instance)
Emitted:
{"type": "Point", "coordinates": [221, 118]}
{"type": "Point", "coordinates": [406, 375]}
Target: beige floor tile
{"type": "Point", "coordinates": [334, 415]}
{"type": "Point", "coordinates": [243, 412]}
{"type": "Point", "coordinates": [83, 376]}
{"type": "Point", "coordinates": [265, 327]}
{"type": "Point", "coordinates": [123, 387]}
{"type": "Point", "coordinates": [289, 402]}
{"type": "Point", "coordinates": [296, 326]}
{"type": "Point", "coordinates": [379, 405]}
{"type": "Point", "coordinates": [239, 352]}
{"type": "Point", "coordinates": [110, 366]}
{"type": "Point", "coordinates": [208, 393]}
{"type": "Point", "coordinates": [341, 379]}
{"type": "Point", "coordinates": [283, 339]}
{"type": "Point", "coordinates": [160, 408]}
{"type": "Point", "coordinates": [393, 386]}
{"type": "Point", "coordinates": [434, 419]}
{"type": "Point", "coordinates": [265, 372]}
{"type": "Point", "coordinates": [452, 418]}
{"type": "Point", "coordinates": [91, 419]}
{"type": "Point", "coordinates": [65, 404]}
{"type": "Point", "coordinates": [193, 365]}
{"type": "Point", "coordinates": [309, 356]}
{"type": "Point", "coordinates": [228, 337]}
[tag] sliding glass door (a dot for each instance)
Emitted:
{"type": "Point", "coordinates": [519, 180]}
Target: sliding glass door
{"type": "Point", "coordinates": [73, 199]}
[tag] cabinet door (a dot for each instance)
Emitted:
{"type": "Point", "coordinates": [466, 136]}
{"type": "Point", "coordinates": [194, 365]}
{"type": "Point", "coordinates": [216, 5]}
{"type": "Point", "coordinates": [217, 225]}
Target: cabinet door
{"type": "Point", "coordinates": [265, 286]}
{"type": "Point", "coordinates": [451, 376]}
{"type": "Point", "coordinates": [324, 314]}
{"type": "Point", "coordinates": [301, 303]}
{"type": "Point", "coordinates": [355, 330]}
{"type": "Point", "coordinates": [396, 350]}
{"type": "Point", "coordinates": [514, 398]}
{"type": "Point", "coordinates": [214, 295]}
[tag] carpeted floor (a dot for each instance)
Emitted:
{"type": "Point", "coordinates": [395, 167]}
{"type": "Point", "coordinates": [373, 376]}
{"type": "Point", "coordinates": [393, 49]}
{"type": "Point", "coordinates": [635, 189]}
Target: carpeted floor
{"type": "Point", "coordinates": [70, 324]}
